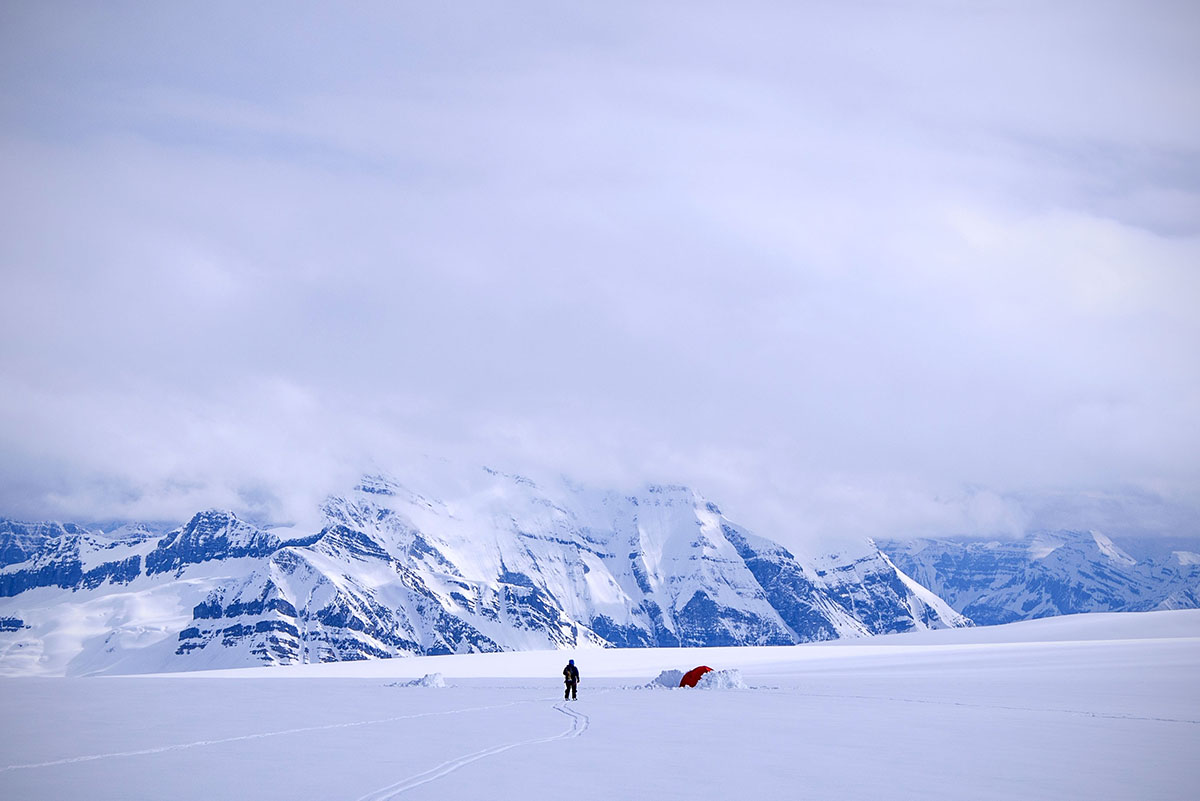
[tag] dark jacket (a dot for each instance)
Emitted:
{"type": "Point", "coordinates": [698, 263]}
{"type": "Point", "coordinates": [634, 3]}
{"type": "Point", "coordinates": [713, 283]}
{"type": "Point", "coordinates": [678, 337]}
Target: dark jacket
{"type": "Point", "coordinates": [571, 674]}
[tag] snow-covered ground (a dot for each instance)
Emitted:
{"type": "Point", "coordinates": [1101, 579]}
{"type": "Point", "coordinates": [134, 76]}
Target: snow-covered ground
{"type": "Point", "coordinates": [1088, 707]}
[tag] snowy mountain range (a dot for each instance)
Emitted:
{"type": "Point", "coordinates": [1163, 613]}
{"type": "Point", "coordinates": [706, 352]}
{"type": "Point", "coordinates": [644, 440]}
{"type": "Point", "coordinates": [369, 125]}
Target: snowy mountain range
{"type": "Point", "coordinates": [488, 562]}
{"type": "Point", "coordinates": [1047, 573]}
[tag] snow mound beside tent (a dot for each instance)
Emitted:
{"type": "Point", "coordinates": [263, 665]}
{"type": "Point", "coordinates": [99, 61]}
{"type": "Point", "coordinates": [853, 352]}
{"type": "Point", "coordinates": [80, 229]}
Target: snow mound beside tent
{"type": "Point", "coordinates": [668, 678]}
{"type": "Point", "coordinates": [722, 680]}
{"type": "Point", "coordinates": [428, 680]}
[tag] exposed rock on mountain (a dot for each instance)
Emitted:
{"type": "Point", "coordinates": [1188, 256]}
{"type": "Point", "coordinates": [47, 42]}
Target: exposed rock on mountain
{"type": "Point", "coordinates": [1044, 574]}
{"type": "Point", "coordinates": [489, 562]}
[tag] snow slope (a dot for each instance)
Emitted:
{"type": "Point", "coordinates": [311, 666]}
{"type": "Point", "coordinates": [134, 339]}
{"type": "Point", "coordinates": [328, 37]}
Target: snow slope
{"type": "Point", "coordinates": [466, 562]}
{"type": "Point", "coordinates": [1047, 573]}
{"type": "Point", "coordinates": [1088, 707]}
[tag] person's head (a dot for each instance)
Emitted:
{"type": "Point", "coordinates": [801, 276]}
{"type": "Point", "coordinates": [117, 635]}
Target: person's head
{"type": "Point", "coordinates": [570, 661]}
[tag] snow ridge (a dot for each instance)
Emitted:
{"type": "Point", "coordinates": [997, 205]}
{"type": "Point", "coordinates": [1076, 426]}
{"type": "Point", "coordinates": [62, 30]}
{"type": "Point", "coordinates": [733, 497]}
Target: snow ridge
{"type": "Point", "coordinates": [1045, 574]}
{"type": "Point", "coordinates": [490, 562]}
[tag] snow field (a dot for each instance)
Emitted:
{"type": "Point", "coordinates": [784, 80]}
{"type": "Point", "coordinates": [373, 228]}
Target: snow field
{"type": "Point", "coordinates": [1042, 711]}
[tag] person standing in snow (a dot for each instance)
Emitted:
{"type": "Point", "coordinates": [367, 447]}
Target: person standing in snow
{"type": "Point", "coordinates": [571, 677]}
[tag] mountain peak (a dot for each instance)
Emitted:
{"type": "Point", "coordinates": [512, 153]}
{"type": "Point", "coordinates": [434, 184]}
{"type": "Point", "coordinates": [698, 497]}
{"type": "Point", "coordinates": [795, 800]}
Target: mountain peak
{"type": "Point", "coordinates": [476, 560]}
{"type": "Point", "coordinates": [1109, 549]}
{"type": "Point", "coordinates": [1045, 573]}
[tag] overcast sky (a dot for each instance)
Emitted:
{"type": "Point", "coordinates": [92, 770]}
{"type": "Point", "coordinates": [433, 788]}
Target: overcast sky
{"type": "Point", "coordinates": [848, 268]}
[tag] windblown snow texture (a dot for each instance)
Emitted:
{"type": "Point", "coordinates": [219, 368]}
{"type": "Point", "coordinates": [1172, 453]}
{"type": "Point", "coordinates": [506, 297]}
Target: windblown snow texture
{"type": "Point", "coordinates": [497, 563]}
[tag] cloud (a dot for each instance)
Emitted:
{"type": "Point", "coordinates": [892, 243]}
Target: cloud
{"type": "Point", "coordinates": [850, 270]}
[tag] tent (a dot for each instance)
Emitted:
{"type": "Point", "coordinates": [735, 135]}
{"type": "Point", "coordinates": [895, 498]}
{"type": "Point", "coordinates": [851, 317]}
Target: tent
{"type": "Point", "coordinates": [692, 676]}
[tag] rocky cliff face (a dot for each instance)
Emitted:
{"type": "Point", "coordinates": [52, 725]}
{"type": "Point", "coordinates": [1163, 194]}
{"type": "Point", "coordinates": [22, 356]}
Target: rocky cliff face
{"type": "Point", "coordinates": [1044, 574]}
{"type": "Point", "coordinates": [68, 557]}
{"type": "Point", "coordinates": [490, 563]}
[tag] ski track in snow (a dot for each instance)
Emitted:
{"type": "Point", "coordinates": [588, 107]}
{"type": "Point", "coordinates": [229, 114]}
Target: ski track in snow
{"type": "Point", "coordinates": [260, 735]}
{"type": "Point", "coordinates": [579, 724]}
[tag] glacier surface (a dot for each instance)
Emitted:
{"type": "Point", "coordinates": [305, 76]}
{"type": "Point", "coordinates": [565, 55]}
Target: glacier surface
{"type": "Point", "coordinates": [1102, 707]}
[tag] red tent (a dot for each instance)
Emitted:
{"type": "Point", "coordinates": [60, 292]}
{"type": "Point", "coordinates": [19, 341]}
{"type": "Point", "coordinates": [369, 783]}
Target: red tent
{"type": "Point", "coordinates": [692, 676]}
